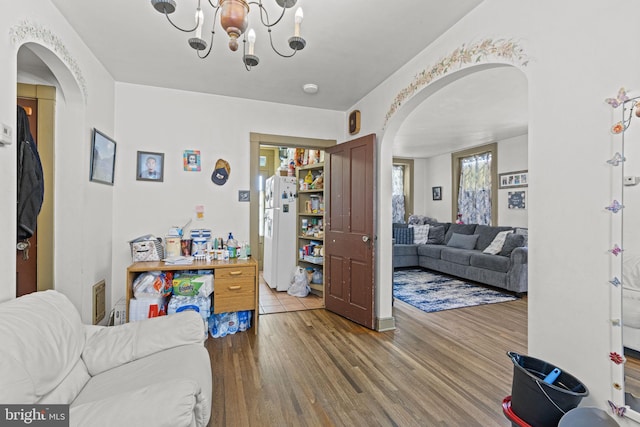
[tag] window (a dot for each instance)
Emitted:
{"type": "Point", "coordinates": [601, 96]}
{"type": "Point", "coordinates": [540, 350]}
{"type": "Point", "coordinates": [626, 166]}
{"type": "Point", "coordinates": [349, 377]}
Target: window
{"type": "Point", "coordinates": [475, 185]}
{"type": "Point", "coordinates": [402, 195]}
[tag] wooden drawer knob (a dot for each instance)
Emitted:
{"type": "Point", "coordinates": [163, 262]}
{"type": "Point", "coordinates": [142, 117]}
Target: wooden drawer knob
{"type": "Point", "coordinates": [234, 288]}
{"type": "Point", "coordinates": [235, 273]}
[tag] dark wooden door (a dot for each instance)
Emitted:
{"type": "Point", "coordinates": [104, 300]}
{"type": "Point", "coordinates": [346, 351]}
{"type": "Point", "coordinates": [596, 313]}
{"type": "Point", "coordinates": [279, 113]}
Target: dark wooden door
{"type": "Point", "coordinates": [349, 242]}
{"type": "Point", "coordinates": [27, 266]}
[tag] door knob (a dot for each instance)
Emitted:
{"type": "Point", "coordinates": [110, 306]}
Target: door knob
{"type": "Point", "coordinates": [365, 239]}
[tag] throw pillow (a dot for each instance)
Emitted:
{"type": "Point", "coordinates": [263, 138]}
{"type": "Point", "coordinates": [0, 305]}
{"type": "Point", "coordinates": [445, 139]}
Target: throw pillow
{"type": "Point", "coordinates": [511, 242]}
{"type": "Point", "coordinates": [420, 233]}
{"type": "Point", "coordinates": [436, 235]}
{"type": "Point", "coordinates": [463, 241]}
{"type": "Point", "coordinates": [498, 242]}
{"type": "Point", "coordinates": [460, 229]}
{"type": "Point", "coordinates": [403, 236]}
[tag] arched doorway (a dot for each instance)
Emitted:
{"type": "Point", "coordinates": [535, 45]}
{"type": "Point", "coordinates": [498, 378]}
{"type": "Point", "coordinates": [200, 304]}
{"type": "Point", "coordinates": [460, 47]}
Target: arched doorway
{"type": "Point", "coordinates": [46, 83]}
{"type": "Point", "coordinates": [404, 114]}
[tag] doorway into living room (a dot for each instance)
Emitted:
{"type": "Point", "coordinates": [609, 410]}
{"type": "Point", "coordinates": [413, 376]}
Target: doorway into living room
{"type": "Point", "coordinates": [466, 114]}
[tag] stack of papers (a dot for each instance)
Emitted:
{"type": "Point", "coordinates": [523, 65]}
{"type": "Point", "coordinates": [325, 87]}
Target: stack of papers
{"type": "Point", "coordinates": [179, 260]}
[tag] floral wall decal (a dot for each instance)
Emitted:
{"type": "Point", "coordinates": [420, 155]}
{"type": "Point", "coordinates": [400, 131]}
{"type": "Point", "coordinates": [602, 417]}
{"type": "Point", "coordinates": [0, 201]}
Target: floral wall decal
{"type": "Point", "coordinates": [27, 31]}
{"type": "Point", "coordinates": [504, 50]}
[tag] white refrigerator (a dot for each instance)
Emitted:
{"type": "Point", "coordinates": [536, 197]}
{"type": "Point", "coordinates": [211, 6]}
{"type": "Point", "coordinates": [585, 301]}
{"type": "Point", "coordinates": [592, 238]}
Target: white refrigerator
{"type": "Point", "coordinates": [279, 261]}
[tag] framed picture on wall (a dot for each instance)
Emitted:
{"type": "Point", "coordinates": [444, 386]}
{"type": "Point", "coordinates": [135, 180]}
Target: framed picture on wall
{"type": "Point", "coordinates": [436, 192]}
{"type": "Point", "coordinates": [514, 179]}
{"type": "Point", "coordinates": [150, 166]}
{"type": "Point", "coordinates": [191, 160]}
{"type": "Point", "coordinates": [103, 158]}
{"type": "Point", "coordinates": [517, 199]}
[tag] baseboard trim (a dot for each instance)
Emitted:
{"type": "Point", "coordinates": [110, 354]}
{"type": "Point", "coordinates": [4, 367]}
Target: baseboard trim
{"type": "Point", "coordinates": [385, 324]}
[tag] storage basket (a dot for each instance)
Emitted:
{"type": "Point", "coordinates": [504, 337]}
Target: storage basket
{"type": "Point", "coordinates": [146, 248]}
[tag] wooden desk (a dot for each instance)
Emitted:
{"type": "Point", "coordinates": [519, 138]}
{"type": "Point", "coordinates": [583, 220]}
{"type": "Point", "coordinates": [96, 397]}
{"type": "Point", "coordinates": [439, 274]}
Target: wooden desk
{"type": "Point", "coordinates": [235, 283]}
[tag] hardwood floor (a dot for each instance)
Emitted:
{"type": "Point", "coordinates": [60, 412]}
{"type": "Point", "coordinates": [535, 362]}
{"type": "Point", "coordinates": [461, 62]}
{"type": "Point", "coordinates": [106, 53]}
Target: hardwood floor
{"type": "Point", "coordinates": [314, 368]}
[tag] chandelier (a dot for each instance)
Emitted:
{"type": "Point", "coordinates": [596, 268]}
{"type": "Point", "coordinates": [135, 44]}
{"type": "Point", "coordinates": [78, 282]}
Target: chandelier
{"type": "Point", "coordinates": [234, 21]}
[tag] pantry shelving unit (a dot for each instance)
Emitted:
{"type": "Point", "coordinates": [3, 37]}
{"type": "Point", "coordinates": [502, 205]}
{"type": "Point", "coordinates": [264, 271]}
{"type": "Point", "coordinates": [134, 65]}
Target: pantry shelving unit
{"type": "Point", "coordinates": [310, 222]}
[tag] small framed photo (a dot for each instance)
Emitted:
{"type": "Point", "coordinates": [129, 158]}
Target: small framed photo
{"type": "Point", "coordinates": [517, 199]}
{"type": "Point", "coordinates": [514, 179]}
{"type": "Point", "coordinates": [244, 195]}
{"type": "Point", "coordinates": [436, 192]}
{"type": "Point", "coordinates": [103, 158]}
{"type": "Point", "coordinates": [150, 166]}
{"type": "Point", "coordinates": [191, 160]}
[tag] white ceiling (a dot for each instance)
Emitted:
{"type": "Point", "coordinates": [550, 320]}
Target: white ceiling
{"type": "Point", "coordinates": [352, 46]}
{"type": "Point", "coordinates": [480, 108]}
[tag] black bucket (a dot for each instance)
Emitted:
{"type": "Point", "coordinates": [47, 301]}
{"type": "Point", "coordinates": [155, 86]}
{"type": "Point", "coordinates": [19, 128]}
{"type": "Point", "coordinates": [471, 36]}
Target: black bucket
{"type": "Point", "coordinates": [538, 403]}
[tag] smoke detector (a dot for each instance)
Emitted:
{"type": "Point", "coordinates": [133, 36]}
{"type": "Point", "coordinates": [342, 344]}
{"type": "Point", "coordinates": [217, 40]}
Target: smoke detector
{"type": "Point", "coordinates": [310, 88]}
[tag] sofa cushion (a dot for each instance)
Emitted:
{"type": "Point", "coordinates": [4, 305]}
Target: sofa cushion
{"type": "Point", "coordinates": [70, 387]}
{"type": "Point", "coordinates": [42, 336]}
{"type": "Point", "coordinates": [404, 250]}
{"type": "Point", "coordinates": [525, 233]}
{"type": "Point", "coordinates": [486, 235]}
{"type": "Point", "coordinates": [111, 347]}
{"type": "Point", "coordinates": [490, 262]}
{"type": "Point", "coordinates": [420, 233]}
{"type": "Point", "coordinates": [431, 251]}
{"type": "Point", "coordinates": [460, 229]}
{"type": "Point", "coordinates": [457, 255]}
{"type": "Point", "coordinates": [513, 241]}
{"type": "Point", "coordinates": [177, 364]}
{"type": "Point", "coordinates": [498, 242]}
{"type": "Point", "coordinates": [403, 236]}
{"type": "Point", "coordinates": [162, 370]}
{"type": "Point", "coordinates": [436, 235]}
{"type": "Point", "coordinates": [463, 241]}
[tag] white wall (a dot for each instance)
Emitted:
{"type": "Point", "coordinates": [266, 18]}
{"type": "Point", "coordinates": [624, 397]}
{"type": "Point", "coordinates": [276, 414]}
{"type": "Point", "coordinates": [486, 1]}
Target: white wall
{"type": "Point", "coordinates": [512, 156]}
{"type": "Point", "coordinates": [82, 209]}
{"type": "Point", "coordinates": [574, 63]}
{"type": "Point", "coordinates": [171, 121]}
{"type": "Point", "coordinates": [438, 174]}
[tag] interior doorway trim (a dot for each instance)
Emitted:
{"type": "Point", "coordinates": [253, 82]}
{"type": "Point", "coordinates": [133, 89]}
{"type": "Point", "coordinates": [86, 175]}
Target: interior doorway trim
{"type": "Point", "coordinates": [257, 139]}
{"type": "Point", "coordinates": [46, 97]}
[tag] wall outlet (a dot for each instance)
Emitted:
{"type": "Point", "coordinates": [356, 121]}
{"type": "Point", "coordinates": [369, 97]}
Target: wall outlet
{"type": "Point", "coordinates": [99, 301]}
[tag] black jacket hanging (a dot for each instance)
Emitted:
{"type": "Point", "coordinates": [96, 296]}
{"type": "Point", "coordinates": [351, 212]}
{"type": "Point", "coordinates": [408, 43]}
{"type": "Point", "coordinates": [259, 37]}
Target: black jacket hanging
{"type": "Point", "coordinates": [30, 179]}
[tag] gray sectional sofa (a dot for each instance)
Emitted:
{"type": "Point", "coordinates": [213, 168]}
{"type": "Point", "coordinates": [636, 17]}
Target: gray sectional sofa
{"type": "Point", "coordinates": [460, 253]}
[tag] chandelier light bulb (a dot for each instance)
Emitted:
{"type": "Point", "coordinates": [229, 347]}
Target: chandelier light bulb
{"type": "Point", "coordinates": [251, 36]}
{"type": "Point", "coordinates": [298, 20]}
{"type": "Point", "coordinates": [199, 22]}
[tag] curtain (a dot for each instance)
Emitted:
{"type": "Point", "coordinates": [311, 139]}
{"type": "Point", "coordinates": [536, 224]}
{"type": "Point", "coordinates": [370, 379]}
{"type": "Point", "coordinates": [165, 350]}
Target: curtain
{"type": "Point", "coordinates": [397, 198]}
{"type": "Point", "coordinates": [474, 195]}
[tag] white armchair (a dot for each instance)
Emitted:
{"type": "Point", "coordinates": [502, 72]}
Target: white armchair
{"type": "Point", "coordinates": [155, 372]}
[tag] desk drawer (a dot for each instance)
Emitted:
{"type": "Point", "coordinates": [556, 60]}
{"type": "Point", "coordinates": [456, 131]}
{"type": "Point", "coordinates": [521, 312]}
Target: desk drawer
{"type": "Point", "coordinates": [235, 272]}
{"type": "Point", "coordinates": [234, 295]}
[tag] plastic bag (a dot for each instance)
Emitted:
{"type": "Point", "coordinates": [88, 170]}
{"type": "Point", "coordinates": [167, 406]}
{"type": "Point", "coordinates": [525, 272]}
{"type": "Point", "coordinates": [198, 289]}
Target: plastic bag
{"type": "Point", "coordinates": [299, 284]}
{"type": "Point", "coordinates": [153, 284]}
{"type": "Point", "coordinates": [223, 324]}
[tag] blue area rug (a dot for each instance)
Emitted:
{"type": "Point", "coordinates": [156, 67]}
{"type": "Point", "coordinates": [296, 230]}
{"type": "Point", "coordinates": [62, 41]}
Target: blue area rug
{"type": "Point", "coordinates": [433, 292]}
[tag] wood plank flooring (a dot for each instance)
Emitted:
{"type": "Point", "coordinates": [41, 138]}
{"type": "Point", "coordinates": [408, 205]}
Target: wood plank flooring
{"type": "Point", "coordinates": [314, 368]}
